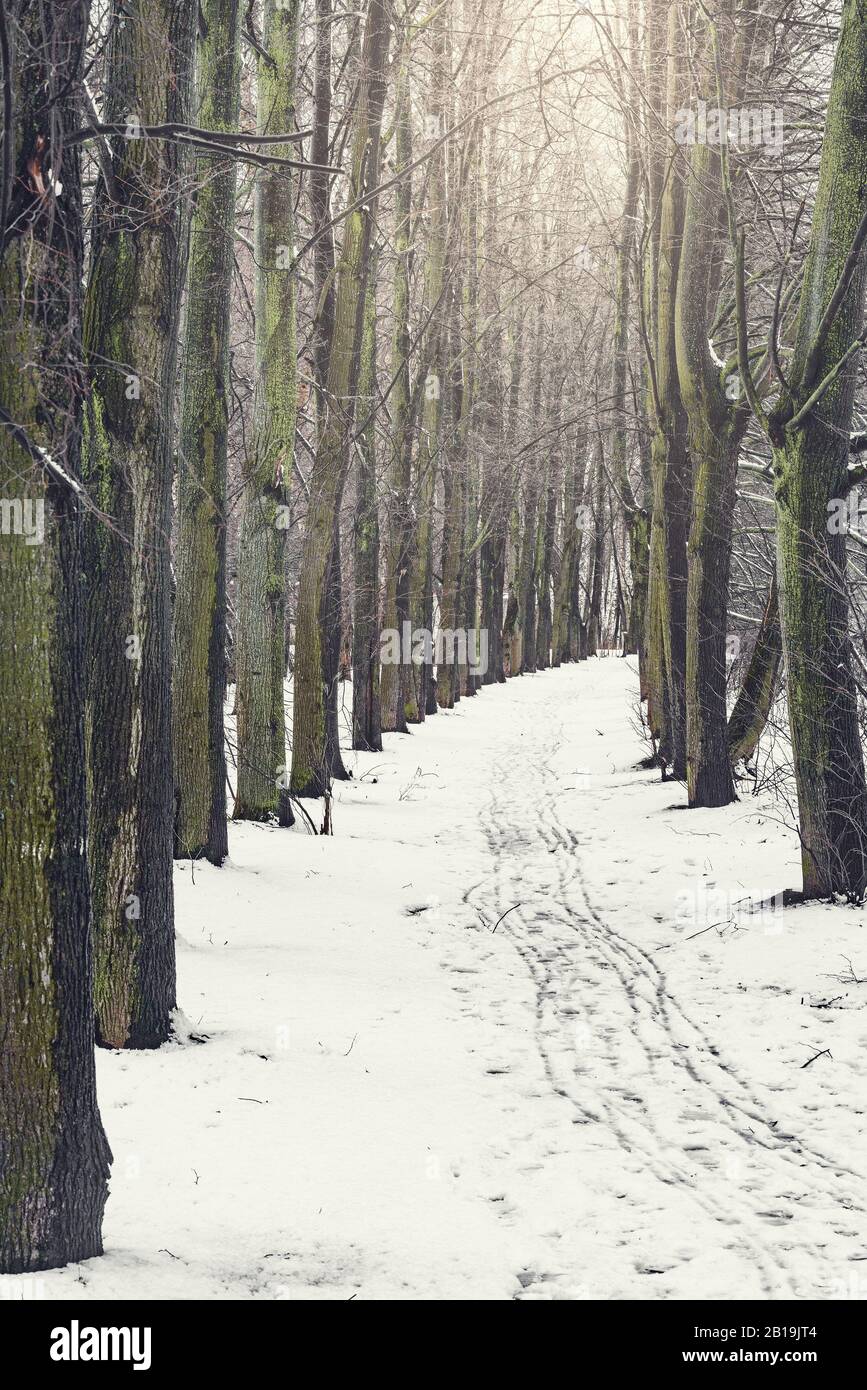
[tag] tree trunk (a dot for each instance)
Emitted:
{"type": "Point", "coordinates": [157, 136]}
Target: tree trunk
{"type": "Point", "coordinates": [670, 461]}
{"type": "Point", "coordinates": [547, 535]}
{"type": "Point", "coordinates": [454, 492]}
{"type": "Point", "coordinates": [366, 722]}
{"type": "Point", "coordinates": [54, 1158]}
{"type": "Point", "coordinates": [810, 442]}
{"type": "Point", "coordinates": [496, 427]}
{"type": "Point", "coordinates": [453, 498]}
{"type": "Point", "coordinates": [399, 702]}
{"type": "Point", "coordinates": [568, 557]}
{"type": "Point", "coordinates": [262, 782]}
{"type": "Point", "coordinates": [756, 695]}
{"type": "Point", "coordinates": [422, 594]}
{"type": "Point", "coordinates": [471, 679]}
{"type": "Point", "coordinates": [309, 733]}
{"type": "Point", "coordinates": [636, 518]}
{"type": "Point", "coordinates": [199, 639]}
{"type": "Point", "coordinates": [594, 611]}
{"type": "Point", "coordinates": [527, 578]}
{"type": "Point", "coordinates": [634, 642]}
{"type": "Point", "coordinates": [718, 411]}
{"type": "Point", "coordinates": [318, 184]}
{"type": "Point", "coordinates": [708, 763]}
{"type": "Point", "coordinates": [332, 627]}
{"type": "Point", "coordinates": [130, 335]}
{"type": "Point", "coordinates": [527, 569]}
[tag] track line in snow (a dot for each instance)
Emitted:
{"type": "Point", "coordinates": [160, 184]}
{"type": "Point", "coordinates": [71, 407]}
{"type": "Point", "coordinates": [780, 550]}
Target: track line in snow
{"type": "Point", "coordinates": [625, 1054]}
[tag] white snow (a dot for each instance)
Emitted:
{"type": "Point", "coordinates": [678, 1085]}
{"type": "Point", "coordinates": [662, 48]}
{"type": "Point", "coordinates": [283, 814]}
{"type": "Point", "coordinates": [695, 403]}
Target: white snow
{"type": "Point", "coordinates": [605, 1097]}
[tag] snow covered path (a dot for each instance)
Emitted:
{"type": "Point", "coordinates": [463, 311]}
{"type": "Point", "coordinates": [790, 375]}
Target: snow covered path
{"type": "Point", "coordinates": [518, 1030]}
{"type": "Point", "coordinates": [683, 1180]}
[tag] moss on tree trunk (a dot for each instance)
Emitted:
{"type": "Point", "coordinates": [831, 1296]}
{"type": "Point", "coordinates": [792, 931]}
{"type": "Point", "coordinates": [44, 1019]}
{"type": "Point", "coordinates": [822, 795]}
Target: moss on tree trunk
{"type": "Point", "coordinates": [810, 444]}
{"type": "Point", "coordinates": [366, 721]}
{"type": "Point", "coordinates": [130, 335]}
{"type": "Point", "coordinates": [199, 637]}
{"type": "Point", "coordinates": [756, 696]}
{"type": "Point", "coordinates": [310, 775]}
{"type": "Point", "coordinates": [262, 778]}
{"type": "Point", "coordinates": [54, 1158]}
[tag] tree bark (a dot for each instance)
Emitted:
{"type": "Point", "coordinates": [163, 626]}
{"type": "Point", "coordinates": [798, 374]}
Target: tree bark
{"type": "Point", "coordinates": [670, 460]}
{"type": "Point", "coordinates": [54, 1158]}
{"type": "Point", "coordinates": [570, 542]}
{"type": "Point", "coordinates": [366, 721]}
{"type": "Point", "coordinates": [262, 780]}
{"type": "Point", "coordinates": [718, 411]}
{"type": "Point", "coordinates": [810, 444]}
{"type": "Point", "coordinates": [454, 492]}
{"type": "Point", "coordinates": [398, 697]}
{"type": "Point", "coordinates": [756, 696]}
{"type": "Point", "coordinates": [309, 752]}
{"type": "Point", "coordinates": [130, 336]}
{"type": "Point", "coordinates": [527, 568]}
{"type": "Point", "coordinates": [594, 609]}
{"type": "Point", "coordinates": [547, 537]}
{"type": "Point", "coordinates": [636, 517]}
{"type": "Point", "coordinates": [421, 597]}
{"type": "Point", "coordinates": [199, 638]}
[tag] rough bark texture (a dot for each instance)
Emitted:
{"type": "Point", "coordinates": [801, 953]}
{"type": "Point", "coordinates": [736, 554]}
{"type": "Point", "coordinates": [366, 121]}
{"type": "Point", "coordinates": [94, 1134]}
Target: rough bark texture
{"type": "Point", "coordinates": [708, 765]}
{"type": "Point", "coordinates": [756, 696]}
{"type": "Point", "coordinates": [547, 534]}
{"type": "Point", "coordinates": [470, 678]}
{"type": "Point", "coordinates": [717, 410]}
{"type": "Point", "coordinates": [398, 695]}
{"type": "Point", "coordinates": [421, 594]}
{"type": "Point", "coordinates": [810, 459]}
{"type": "Point", "coordinates": [54, 1158]}
{"type": "Point", "coordinates": [130, 333]}
{"type": "Point", "coordinates": [636, 517]}
{"type": "Point", "coordinates": [323, 333]}
{"type": "Point", "coordinates": [309, 753]}
{"type": "Point", "coordinates": [366, 720]}
{"type": "Point", "coordinates": [594, 607]}
{"type": "Point", "coordinates": [571, 539]}
{"type": "Point", "coordinates": [497, 429]}
{"type": "Point", "coordinates": [199, 638]}
{"type": "Point", "coordinates": [715, 430]}
{"type": "Point", "coordinates": [527, 567]}
{"type": "Point", "coordinates": [318, 185]}
{"type": "Point", "coordinates": [670, 461]}
{"type": "Point", "coordinates": [639, 564]}
{"type": "Point", "coordinates": [454, 472]}
{"type": "Point", "coordinates": [333, 645]}
{"type": "Point", "coordinates": [262, 779]}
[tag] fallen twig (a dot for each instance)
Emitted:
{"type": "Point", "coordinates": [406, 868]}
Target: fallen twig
{"type": "Point", "coordinates": [505, 914]}
{"type": "Point", "coordinates": [668, 944]}
{"type": "Point", "coordinates": [826, 1052]}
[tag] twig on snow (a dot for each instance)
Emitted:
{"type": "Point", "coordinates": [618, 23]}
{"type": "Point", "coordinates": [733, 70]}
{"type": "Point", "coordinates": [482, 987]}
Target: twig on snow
{"type": "Point", "coordinates": [505, 914]}
{"type": "Point", "coordinates": [826, 1052]}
